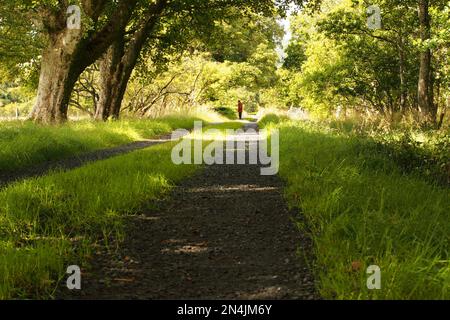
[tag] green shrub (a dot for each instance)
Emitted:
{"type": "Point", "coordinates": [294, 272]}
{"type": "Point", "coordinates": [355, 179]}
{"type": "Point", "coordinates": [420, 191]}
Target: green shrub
{"type": "Point", "coordinates": [271, 119]}
{"type": "Point", "coordinates": [226, 112]}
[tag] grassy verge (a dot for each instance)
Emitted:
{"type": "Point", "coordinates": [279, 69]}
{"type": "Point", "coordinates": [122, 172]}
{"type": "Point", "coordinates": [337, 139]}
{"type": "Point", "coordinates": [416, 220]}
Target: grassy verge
{"type": "Point", "coordinates": [363, 209]}
{"type": "Point", "coordinates": [227, 112]}
{"type": "Point", "coordinates": [25, 143]}
{"type": "Point", "coordinates": [270, 120]}
{"type": "Point", "coordinates": [415, 150]}
{"type": "Point", "coordinates": [51, 222]}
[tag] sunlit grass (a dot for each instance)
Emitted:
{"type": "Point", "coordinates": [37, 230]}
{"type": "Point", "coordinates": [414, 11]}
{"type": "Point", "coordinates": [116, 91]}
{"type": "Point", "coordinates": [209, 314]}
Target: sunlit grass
{"type": "Point", "coordinates": [51, 222]}
{"type": "Point", "coordinates": [362, 210]}
{"type": "Point", "coordinates": [24, 143]}
{"type": "Point", "coordinates": [46, 223]}
{"type": "Point", "coordinates": [216, 132]}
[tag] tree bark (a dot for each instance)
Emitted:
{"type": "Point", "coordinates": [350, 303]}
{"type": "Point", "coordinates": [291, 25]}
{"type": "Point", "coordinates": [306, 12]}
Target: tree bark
{"type": "Point", "coordinates": [56, 78]}
{"type": "Point", "coordinates": [67, 55]}
{"type": "Point", "coordinates": [402, 71]}
{"type": "Point", "coordinates": [111, 69]}
{"type": "Point", "coordinates": [116, 68]}
{"type": "Point", "coordinates": [118, 64]}
{"type": "Point", "coordinates": [425, 86]}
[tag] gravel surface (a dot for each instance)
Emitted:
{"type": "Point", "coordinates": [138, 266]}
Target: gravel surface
{"type": "Point", "coordinates": [225, 233]}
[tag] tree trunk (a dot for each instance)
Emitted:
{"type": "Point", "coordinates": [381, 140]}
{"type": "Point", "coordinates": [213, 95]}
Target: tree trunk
{"type": "Point", "coordinates": [402, 71]}
{"type": "Point", "coordinates": [119, 62]}
{"type": "Point", "coordinates": [116, 68]}
{"type": "Point", "coordinates": [57, 78]}
{"type": "Point", "coordinates": [425, 86]}
{"type": "Point", "coordinates": [110, 80]}
{"type": "Point", "coordinates": [68, 55]}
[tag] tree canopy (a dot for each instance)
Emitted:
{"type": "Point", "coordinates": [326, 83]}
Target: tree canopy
{"type": "Point", "coordinates": [333, 58]}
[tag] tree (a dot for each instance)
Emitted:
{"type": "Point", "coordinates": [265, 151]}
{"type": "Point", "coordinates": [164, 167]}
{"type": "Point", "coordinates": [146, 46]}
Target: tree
{"type": "Point", "coordinates": [120, 59]}
{"type": "Point", "coordinates": [70, 51]}
{"type": "Point", "coordinates": [425, 87]}
{"type": "Point", "coordinates": [295, 51]}
{"type": "Point", "coordinates": [106, 26]}
{"type": "Point", "coordinates": [67, 51]}
{"type": "Point", "coordinates": [348, 25]}
{"type": "Point", "coordinates": [392, 67]}
{"type": "Point", "coordinates": [20, 45]}
{"type": "Point", "coordinates": [202, 76]}
{"type": "Point", "coordinates": [175, 23]}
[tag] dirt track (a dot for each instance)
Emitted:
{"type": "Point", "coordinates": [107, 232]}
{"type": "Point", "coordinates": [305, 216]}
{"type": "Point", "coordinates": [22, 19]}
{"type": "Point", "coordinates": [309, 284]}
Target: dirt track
{"type": "Point", "coordinates": [225, 233]}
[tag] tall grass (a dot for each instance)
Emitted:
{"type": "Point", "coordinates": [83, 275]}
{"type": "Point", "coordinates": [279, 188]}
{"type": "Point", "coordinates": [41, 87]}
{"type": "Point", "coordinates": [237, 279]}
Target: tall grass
{"type": "Point", "coordinates": [25, 143]}
{"type": "Point", "coordinates": [362, 210]}
{"type": "Point", "coordinates": [270, 120]}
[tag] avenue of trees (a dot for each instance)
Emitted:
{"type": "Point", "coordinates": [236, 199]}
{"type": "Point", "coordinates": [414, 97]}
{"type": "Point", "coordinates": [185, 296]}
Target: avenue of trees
{"type": "Point", "coordinates": [116, 35]}
{"type": "Point", "coordinates": [402, 68]}
{"type": "Point", "coordinates": [141, 55]}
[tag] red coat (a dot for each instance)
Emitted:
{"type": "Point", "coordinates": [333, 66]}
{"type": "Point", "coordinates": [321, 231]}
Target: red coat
{"type": "Point", "coordinates": [240, 107]}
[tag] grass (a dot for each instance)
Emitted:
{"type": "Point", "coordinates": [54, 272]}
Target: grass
{"type": "Point", "coordinates": [270, 119]}
{"type": "Point", "coordinates": [24, 143]}
{"type": "Point", "coordinates": [363, 209]}
{"type": "Point", "coordinates": [227, 112]}
{"type": "Point", "coordinates": [51, 222]}
{"type": "Point", "coordinates": [416, 150]}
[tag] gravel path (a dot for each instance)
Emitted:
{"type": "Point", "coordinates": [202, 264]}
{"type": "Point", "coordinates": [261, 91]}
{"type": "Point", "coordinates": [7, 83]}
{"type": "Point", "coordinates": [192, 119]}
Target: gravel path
{"type": "Point", "coordinates": [225, 233]}
{"type": "Point", "coordinates": [78, 160]}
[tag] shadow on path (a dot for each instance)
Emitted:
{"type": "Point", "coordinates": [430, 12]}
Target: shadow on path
{"type": "Point", "coordinates": [225, 233]}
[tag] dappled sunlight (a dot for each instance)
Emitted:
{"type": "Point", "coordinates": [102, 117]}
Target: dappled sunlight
{"type": "Point", "coordinates": [260, 149]}
{"type": "Point", "coordinates": [81, 204]}
{"type": "Point", "coordinates": [264, 294]}
{"type": "Point", "coordinates": [239, 135]}
{"type": "Point", "coordinates": [191, 248]}
{"type": "Point", "coordinates": [146, 218]}
{"type": "Point", "coordinates": [239, 188]}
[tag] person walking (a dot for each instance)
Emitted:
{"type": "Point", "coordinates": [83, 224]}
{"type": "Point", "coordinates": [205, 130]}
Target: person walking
{"type": "Point", "coordinates": [240, 109]}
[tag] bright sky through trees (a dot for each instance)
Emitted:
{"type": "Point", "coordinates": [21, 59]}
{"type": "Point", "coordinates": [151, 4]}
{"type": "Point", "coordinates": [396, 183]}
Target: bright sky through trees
{"type": "Point", "coordinates": [286, 24]}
